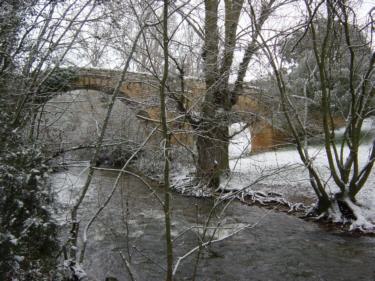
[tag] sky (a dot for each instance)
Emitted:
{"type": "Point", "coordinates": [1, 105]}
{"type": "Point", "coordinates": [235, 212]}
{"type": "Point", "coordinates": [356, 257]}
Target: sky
{"type": "Point", "coordinates": [282, 19]}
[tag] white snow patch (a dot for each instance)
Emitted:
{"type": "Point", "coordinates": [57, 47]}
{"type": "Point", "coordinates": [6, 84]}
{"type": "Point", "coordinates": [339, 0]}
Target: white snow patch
{"type": "Point", "coordinates": [75, 269]}
{"type": "Point", "coordinates": [240, 144]}
{"type": "Point", "coordinates": [19, 258]}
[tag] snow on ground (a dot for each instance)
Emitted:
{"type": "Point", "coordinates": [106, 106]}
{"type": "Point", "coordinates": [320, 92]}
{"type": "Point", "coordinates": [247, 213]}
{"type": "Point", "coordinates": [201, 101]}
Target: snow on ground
{"type": "Point", "coordinates": [240, 144]}
{"type": "Point", "coordinates": [282, 172]}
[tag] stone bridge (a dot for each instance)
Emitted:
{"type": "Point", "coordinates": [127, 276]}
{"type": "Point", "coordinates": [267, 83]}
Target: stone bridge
{"type": "Point", "coordinates": [141, 91]}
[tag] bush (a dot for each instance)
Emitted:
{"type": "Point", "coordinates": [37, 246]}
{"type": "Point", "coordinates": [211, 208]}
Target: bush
{"type": "Point", "coordinates": [27, 231]}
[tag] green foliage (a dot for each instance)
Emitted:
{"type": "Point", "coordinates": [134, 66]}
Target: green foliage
{"type": "Point", "coordinates": [13, 18]}
{"type": "Point", "coordinates": [303, 77]}
{"type": "Point", "coordinates": [299, 44]}
{"type": "Point", "coordinates": [59, 80]}
{"type": "Point", "coordinates": [27, 231]}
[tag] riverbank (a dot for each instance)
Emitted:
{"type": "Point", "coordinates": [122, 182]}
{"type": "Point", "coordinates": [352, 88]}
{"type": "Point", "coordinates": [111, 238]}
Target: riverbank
{"type": "Point", "coordinates": [279, 179]}
{"type": "Point", "coordinates": [264, 196]}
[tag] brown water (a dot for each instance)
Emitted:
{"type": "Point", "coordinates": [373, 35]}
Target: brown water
{"type": "Point", "coordinates": [279, 247]}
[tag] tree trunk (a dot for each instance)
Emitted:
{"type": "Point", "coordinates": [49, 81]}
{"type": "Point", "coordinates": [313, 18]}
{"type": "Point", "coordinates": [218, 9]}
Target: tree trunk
{"type": "Point", "coordinates": [341, 205]}
{"type": "Point", "coordinates": [167, 147]}
{"type": "Point", "coordinates": [212, 142]}
{"type": "Point", "coordinates": [213, 160]}
{"type": "Point", "coordinates": [322, 206]}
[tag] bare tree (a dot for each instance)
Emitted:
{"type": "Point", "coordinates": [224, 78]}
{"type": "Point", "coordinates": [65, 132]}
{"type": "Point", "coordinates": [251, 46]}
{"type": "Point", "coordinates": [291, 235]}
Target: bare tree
{"type": "Point", "coordinates": [342, 153]}
{"type": "Point", "coordinates": [213, 136]}
{"type": "Point", "coordinates": [33, 44]}
{"type": "Point", "coordinates": [166, 146]}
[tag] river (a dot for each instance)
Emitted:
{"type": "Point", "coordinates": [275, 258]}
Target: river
{"type": "Point", "coordinates": [275, 246]}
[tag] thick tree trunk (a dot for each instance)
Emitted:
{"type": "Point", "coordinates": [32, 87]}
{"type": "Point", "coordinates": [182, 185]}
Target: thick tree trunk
{"type": "Point", "coordinates": [322, 206]}
{"type": "Point", "coordinates": [212, 145]}
{"type": "Point", "coordinates": [339, 206]}
{"type": "Point", "coordinates": [213, 135]}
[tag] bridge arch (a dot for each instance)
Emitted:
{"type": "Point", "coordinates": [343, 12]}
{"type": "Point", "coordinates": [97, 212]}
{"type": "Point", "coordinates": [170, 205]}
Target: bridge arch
{"type": "Point", "coordinates": [140, 91]}
{"type": "Point", "coordinates": [73, 119]}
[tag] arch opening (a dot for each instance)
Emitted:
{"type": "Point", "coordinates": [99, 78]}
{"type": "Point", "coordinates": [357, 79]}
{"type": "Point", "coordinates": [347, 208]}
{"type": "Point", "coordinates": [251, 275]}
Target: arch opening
{"type": "Point", "coordinates": [70, 123]}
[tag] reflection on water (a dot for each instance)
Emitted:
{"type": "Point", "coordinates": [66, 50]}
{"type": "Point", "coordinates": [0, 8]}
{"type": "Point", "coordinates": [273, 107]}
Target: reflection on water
{"type": "Point", "coordinates": [279, 247]}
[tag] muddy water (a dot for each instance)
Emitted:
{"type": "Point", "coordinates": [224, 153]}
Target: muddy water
{"type": "Point", "coordinates": [278, 247]}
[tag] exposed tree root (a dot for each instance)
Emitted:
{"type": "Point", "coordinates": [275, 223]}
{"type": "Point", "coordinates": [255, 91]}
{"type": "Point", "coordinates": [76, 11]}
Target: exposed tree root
{"type": "Point", "coordinates": [342, 212]}
{"type": "Point", "coordinates": [191, 187]}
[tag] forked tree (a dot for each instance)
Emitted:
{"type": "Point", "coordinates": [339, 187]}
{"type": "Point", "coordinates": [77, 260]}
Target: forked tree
{"type": "Point", "coordinates": [341, 64]}
{"type": "Point", "coordinates": [218, 56]}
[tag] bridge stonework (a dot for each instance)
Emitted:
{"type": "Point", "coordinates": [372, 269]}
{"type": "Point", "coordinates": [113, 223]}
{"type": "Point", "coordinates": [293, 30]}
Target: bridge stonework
{"type": "Point", "coordinates": [141, 91]}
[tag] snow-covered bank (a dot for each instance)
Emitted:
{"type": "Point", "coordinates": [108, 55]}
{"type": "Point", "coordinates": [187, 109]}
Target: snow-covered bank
{"type": "Point", "coordinates": [282, 173]}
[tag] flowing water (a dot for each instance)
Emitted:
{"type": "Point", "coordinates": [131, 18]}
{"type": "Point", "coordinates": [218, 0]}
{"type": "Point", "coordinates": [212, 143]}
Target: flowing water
{"type": "Point", "coordinates": [272, 245]}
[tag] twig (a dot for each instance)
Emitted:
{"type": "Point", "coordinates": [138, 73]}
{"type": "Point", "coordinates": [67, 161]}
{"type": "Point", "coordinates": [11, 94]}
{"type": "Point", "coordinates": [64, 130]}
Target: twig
{"type": "Point", "coordinates": [180, 259]}
{"type": "Point", "coordinates": [128, 268]}
{"type": "Point", "coordinates": [115, 185]}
